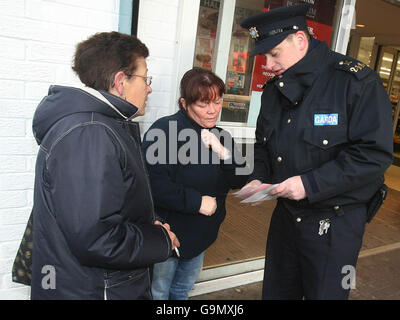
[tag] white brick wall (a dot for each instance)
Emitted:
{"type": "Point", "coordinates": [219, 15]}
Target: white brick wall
{"type": "Point", "coordinates": [157, 28]}
{"type": "Point", "coordinates": [37, 41]}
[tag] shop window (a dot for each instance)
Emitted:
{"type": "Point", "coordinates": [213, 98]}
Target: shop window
{"type": "Point", "coordinates": [240, 74]}
{"type": "Point", "coordinates": [206, 33]}
{"type": "Point", "coordinates": [245, 75]}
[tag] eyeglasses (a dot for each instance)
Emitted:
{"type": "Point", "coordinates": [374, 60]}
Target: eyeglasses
{"type": "Point", "coordinates": [148, 80]}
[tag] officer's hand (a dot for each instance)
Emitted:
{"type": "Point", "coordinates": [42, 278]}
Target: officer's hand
{"type": "Point", "coordinates": [291, 188]}
{"type": "Point", "coordinates": [208, 205]}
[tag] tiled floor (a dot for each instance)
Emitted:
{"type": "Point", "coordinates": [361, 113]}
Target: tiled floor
{"type": "Point", "coordinates": [392, 177]}
{"type": "Point", "coordinates": [378, 277]}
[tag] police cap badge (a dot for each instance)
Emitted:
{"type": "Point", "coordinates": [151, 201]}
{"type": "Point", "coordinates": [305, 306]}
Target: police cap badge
{"type": "Point", "coordinates": [272, 27]}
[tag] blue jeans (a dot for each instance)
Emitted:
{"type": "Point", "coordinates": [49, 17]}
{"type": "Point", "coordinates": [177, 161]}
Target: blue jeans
{"type": "Point", "coordinates": [174, 278]}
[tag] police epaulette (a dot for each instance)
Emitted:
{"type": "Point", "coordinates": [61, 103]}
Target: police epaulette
{"type": "Point", "coordinates": [359, 69]}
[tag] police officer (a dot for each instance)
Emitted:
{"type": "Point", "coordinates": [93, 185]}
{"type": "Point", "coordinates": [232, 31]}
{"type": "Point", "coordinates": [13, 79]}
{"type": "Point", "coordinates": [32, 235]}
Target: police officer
{"type": "Point", "coordinates": [324, 134]}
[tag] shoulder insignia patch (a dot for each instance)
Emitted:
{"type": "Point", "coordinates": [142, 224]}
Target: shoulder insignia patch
{"type": "Point", "coordinates": [359, 69]}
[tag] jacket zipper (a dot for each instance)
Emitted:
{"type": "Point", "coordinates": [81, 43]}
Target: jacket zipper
{"type": "Point", "coordinates": [147, 179]}
{"type": "Point", "coordinates": [146, 174]}
{"type": "Point", "coordinates": [105, 289]}
{"type": "Point", "coordinates": [148, 184]}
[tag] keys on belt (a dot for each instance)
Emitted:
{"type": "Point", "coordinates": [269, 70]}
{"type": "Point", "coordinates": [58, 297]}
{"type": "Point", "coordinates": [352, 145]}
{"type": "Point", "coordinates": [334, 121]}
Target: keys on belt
{"type": "Point", "coordinates": [324, 226]}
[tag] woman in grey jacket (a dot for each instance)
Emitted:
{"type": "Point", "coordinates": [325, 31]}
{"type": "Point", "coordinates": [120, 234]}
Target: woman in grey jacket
{"type": "Point", "coordinates": [95, 233]}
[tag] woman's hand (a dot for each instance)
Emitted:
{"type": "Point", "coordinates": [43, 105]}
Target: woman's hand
{"type": "Point", "coordinates": [208, 205]}
{"type": "Point", "coordinates": [174, 239]}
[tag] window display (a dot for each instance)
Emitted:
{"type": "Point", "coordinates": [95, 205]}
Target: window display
{"type": "Point", "coordinates": [245, 75]}
{"type": "Point", "coordinates": [206, 33]}
{"type": "Point", "coordinates": [240, 68]}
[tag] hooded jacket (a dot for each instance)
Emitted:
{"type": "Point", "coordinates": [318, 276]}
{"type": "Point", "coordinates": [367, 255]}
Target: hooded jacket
{"type": "Point", "coordinates": [93, 213]}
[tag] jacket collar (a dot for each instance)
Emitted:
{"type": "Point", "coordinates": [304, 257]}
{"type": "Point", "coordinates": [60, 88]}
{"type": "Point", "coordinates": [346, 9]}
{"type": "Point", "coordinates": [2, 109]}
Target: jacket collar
{"type": "Point", "coordinates": [297, 79]}
{"type": "Point", "coordinates": [63, 101]}
{"type": "Point", "coordinates": [124, 108]}
{"type": "Point", "coordinates": [190, 121]}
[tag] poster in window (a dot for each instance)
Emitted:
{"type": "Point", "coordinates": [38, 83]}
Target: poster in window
{"type": "Point", "coordinates": [239, 65]}
{"type": "Point", "coordinates": [206, 33]}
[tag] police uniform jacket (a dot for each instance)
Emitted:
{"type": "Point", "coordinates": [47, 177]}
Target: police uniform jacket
{"type": "Point", "coordinates": [327, 119]}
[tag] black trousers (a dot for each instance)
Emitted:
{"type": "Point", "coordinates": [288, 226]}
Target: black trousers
{"type": "Point", "coordinates": [302, 264]}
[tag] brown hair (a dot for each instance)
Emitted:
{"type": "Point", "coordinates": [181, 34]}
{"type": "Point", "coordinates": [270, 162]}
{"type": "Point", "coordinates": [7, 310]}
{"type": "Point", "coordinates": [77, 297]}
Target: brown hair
{"type": "Point", "coordinates": [100, 57]}
{"type": "Point", "coordinates": [198, 84]}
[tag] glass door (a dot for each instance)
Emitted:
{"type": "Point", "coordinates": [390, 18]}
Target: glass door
{"type": "Point", "coordinates": [239, 67]}
{"type": "Point", "coordinates": [395, 98]}
{"type": "Point", "coordinates": [394, 89]}
{"type": "Point", "coordinates": [385, 65]}
{"type": "Point", "coordinates": [389, 71]}
{"type": "Point", "coordinates": [224, 46]}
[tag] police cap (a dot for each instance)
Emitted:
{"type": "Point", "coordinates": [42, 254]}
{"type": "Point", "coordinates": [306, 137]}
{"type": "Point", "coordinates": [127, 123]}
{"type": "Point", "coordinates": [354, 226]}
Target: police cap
{"type": "Point", "coordinates": [272, 27]}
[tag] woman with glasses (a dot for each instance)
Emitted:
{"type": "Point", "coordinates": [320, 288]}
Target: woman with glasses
{"type": "Point", "coordinates": [191, 174]}
{"type": "Point", "coordinates": [94, 232]}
